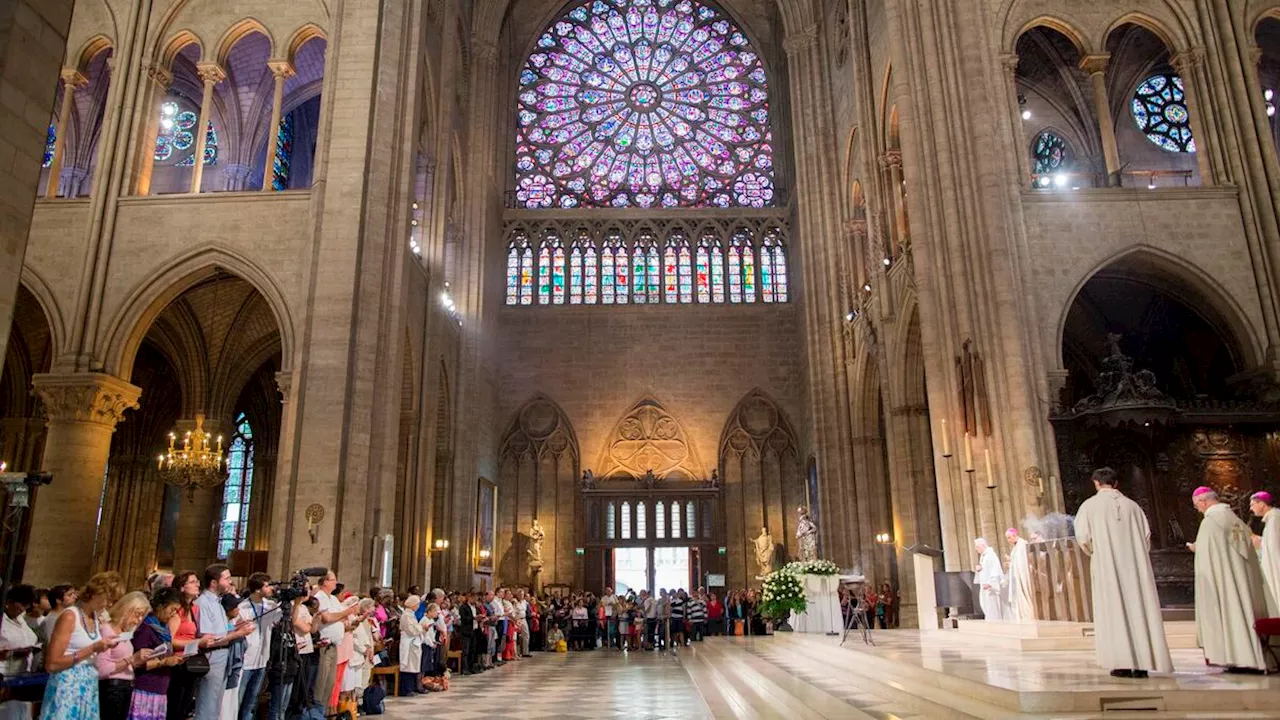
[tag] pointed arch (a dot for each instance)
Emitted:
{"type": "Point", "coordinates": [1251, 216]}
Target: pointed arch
{"type": "Point", "coordinates": [1175, 42]}
{"type": "Point", "coordinates": [302, 36]}
{"type": "Point", "coordinates": [48, 301]}
{"type": "Point", "coordinates": [759, 424]}
{"type": "Point", "coordinates": [238, 32]}
{"type": "Point", "coordinates": [540, 426]}
{"type": "Point", "coordinates": [1068, 29]}
{"type": "Point", "coordinates": [145, 302]}
{"type": "Point", "coordinates": [90, 49]}
{"type": "Point", "coordinates": [1178, 277]}
{"type": "Point", "coordinates": [649, 438]}
{"type": "Point", "coordinates": [181, 39]}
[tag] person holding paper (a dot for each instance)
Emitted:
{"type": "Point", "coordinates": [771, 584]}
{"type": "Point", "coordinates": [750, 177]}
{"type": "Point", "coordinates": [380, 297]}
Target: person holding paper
{"type": "Point", "coordinates": [259, 607]}
{"type": "Point", "coordinates": [116, 666]}
{"type": "Point", "coordinates": [150, 700]}
{"type": "Point", "coordinates": [17, 640]}
{"type": "Point", "coordinates": [211, 622]}
{"type": "Point", "coordinates": [72, 692]}
{"type": "Point", "coordinates": [1230, 594]}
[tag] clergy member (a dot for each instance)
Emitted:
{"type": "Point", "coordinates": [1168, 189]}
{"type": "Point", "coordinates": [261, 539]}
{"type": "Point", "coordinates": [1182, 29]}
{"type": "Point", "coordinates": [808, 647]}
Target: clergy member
{"type": "Point", "coordinates": [990, 579]}
{"type": "Point", "coordinates": [1229, 595]}
{"type": "Point", "coordinates": [1268, 548]}
{"type": "Point", "coordinates": [1021, 607]}
{"type": "Point", "coordinates": [1128, 629]}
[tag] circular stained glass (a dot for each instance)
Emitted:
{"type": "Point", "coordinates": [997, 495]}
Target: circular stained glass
{"type": "Point", "coordinates": [1050, 153]}
{"type": "Point", "coordinates": [1160, 109]}
{"type": "Point", "coordinates": [643, 103]}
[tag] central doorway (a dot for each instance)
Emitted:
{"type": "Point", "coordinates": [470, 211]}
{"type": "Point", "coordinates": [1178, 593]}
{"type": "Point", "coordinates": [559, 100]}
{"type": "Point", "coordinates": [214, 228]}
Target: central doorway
{"type": "Point", "coordinates": [651, 568]}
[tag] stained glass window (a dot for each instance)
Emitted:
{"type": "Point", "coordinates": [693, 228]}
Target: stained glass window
{"type": "Point", "coordinates": [551, 271]}
{"type": "Point", "coordinates": [773, 268]}
{"type": "Point", "coordinates": [50, 140]}
{"type": "Point", "coordinates": [1050, 153]}
{"type": "Point", "coordinates": [1160, 109]}
{"type": "Point", "coordinates": [670, 276]}
{"type": "Point", "coordinates": [234, 523]}
{"type": "Point", "coordinates": [519, 271]}
{"type": "Point", "coordinates": [582, 271]}
{"type": "Point", "coordinates": [685, 260]}
{"type": "Point", "coordinates": [742, 267]}
{"type": "Point", "coordinates": [614, 271]}
{"type": "Point", "coordinates": [643, 103]}
{"type": "Point", "coordinates": [677, 271]}
{"type": "Point", "coordinates": [175, 139]}
{"type": "Point", "coordinates": [646, 271]}
{"type": "Point", "coordinates": [284, 154]}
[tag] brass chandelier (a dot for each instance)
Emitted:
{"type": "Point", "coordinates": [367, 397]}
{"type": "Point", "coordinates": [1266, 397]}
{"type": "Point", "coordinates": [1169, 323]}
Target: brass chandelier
{"type": "Point", "coordinates": [195, 465]}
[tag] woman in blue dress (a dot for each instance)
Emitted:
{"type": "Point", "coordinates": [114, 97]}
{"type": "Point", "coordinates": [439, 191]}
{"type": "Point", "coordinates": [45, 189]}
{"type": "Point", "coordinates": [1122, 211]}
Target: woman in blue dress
{"type": "Point", "coordinates": [72, 692]}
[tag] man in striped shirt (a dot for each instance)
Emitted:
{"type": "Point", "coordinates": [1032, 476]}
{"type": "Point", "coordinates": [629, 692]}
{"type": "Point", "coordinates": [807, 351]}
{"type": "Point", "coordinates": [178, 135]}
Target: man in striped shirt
{"type": "Point", "coordinates": [696, 610]}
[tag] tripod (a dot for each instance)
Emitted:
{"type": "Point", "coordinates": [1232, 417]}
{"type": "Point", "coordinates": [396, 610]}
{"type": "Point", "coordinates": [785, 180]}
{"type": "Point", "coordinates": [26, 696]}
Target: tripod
{"type": "Point", "coordinates": [858, 621]}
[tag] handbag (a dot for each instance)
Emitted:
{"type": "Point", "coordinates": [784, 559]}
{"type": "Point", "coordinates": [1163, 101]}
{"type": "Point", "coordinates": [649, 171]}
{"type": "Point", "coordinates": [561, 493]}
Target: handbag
{"type": "Point", "coordinates": [375, 700]}
{"type": "Point", "coordinates": [737, 627]}
{"type": "Point", "coordinates": [197, 665]}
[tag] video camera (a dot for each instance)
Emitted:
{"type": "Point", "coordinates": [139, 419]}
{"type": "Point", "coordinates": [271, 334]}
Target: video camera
{"type": "Point", "coordinates": [286, 591]}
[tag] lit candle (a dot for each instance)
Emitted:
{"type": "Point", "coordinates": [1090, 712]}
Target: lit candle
{"type": "Point", "coordinates": [946, 444]}
{"type": "Point", "coordinates": [172, 437]}
{"type": "Point", "coordinates": [968, 453]}
{"type": "Point", "coordinates": [4, 466]}
{"type": "Point", "coordinates": [991, 478]}
{"type": "Point", "coordinates": [160, 463]}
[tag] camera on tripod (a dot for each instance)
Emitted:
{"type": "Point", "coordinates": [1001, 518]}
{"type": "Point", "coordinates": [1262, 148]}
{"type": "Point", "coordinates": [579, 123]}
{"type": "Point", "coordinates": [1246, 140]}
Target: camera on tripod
{"type": "Point", "coordinates": [286, 591]}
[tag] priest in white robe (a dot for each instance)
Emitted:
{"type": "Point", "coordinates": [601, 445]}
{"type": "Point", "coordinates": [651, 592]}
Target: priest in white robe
{"type": "Point", "coordinates": [1021, 607]}
{"type": "Point", "coordinates": [1261, 504]}
{"type": "Point", "coordinates": [1229, 594]}
{"type": "Point", "coordinates": [990, 580]}
{"type": "Point", "coordinates": [1129, 635]}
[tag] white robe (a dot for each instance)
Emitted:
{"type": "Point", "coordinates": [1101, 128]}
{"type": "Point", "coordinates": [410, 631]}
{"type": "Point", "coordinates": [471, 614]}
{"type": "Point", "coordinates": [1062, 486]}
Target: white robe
{"type": "Point", "coordinates": [1269, 557]}
{"type": "Point", "coordinates": [1021, 606]}
{"type": "Point", "coordinates": [1229, 594]}
{"type": "Point", "coordinates": [989, 573]}
{"type": "Point", "coordinates": [1128, 627]}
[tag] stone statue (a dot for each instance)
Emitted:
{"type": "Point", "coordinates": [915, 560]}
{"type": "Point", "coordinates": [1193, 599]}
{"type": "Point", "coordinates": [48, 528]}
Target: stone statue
{"type": "Point", "coordinates": [535, 545]}
{"type": "Point", "coordinates": [807, 535]}
{"type": "Point", "coordinates": [649, 480]}
{"type": "Point", "coordinates": [588, 480]}
{"type": "Point", "coordinates": [764, 551]}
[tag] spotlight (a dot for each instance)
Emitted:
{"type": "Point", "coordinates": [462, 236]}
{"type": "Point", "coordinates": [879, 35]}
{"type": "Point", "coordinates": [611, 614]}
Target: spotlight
{"type": "Point", "coordinates": [415, 205]}
{"type": "Point", "coordinates": [866, 288]}
{"type": "Point", "coordinates": [1151, 184]}
{"type": "Point", "coordinates": [1060, 180]}
{"type": "Point", "coordinates": [884, 538]}
{"type": "Point", "coordinates": [1271, 110]}
{"type": "Point", "coordinates": [1044, 181]}
{"type": "Point", "coordinates": [888, 262]}
{"type": "Point", "coordinates": [1268, 95]}
{"type": "Point", "coordinates": [1026, 114]}
{"type": "Point", "coordinates": [414, 222]}
{"type": "Point", "coordinates": [849, 316]}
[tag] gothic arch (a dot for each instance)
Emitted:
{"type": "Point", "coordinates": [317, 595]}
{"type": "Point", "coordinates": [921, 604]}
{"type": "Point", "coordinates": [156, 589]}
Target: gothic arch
{"type": "Point", "coordinates": [1271, 12]}
{"type": "Point", "coordinates": [168, 52]}
{"type": "Point", "coordinates": [1176, 276]}
{"type": "Point", "coordinates": [302, 36]}
{"type": "Point", "coordinates": [141, 307]}
{"type": "Point", "coordinates": [90, 49]}
{"type": "Point", "coordinates": [1067, 28]}
{"type": "Point", "coordinates": [1175, 41]}
{"type": "Point", "coordinates": [44, 295]}
{"type": "Point", "coordinates": [648, 437]}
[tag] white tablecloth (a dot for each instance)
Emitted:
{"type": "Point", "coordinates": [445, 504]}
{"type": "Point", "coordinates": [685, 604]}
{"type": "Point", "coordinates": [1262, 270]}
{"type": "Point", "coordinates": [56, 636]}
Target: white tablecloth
{"type": "Point", "coordinates": [821, 592]}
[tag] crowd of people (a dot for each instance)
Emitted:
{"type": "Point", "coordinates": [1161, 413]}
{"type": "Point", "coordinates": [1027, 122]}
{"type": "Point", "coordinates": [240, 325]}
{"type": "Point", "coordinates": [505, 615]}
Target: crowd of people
{"type": "Point", "coordinates": [194, 645]}
{"type": "Point", "coordinates": [880, 606]}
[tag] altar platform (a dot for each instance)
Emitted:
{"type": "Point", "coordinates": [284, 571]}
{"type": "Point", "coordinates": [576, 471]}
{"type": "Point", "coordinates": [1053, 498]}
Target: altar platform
{"type": "Point", "coordinates": [945, 674]}
{"type": "Point", "coordinates": [1048, 636]}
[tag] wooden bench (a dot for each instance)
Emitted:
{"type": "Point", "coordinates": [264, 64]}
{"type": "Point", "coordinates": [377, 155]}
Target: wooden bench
{"type": "Point", "coordinates": [392, 671]}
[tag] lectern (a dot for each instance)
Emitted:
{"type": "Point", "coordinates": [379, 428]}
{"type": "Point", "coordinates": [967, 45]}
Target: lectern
{"type": "Point", "coordinates": [925, 563]}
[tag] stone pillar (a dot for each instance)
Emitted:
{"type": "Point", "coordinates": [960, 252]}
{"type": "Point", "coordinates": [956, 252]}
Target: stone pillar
{"type": "Point", "coordinates": [1010, 64]}
{"type": "Point", "coordinates": [154, 89]}
{"type": "Point", "coordinates": [83, 409]}
{"type": "Point", "coordinates": [72, 80]}
{"type": "Point", "coordinates": [1096, 66]}
{"type": "Point", "coordinates": [1189, 66]}
{"type": "Point", "coordinates": [237, 175]}
{"type": "Point", "coordinates": [211, 74]}
{"type": "Point", "coordinates": [891, 163]}
{"type": "Point", "coordinates": [281, 70]}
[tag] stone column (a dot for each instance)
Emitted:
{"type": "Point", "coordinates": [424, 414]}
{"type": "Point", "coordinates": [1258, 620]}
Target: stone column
{"type": "Point", "coordinates": [1010, 64]}
{"type": "Point", "coordinates": [211, 74]}
{"type": "Point", "coordinates": [72, 80]}
{"type": "Point", "coordinates": [1189, 65]}
{"type": "Point", "coordinates": [891, 163]}
{"type": "Point", "coordinates": [237, 175]}
{"type": "Point", "coordinates": [281, 70]}
{"type": "Point", "coordinates": [83, 409]}
{"type": "Point", "coordinates": [857, 231]}
{"type": "Point", "coordinates": [154, 89]}
{"type": "Point", "coordinates": [1096, 66]}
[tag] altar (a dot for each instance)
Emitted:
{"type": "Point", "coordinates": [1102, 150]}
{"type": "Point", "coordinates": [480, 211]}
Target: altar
{"type": "Point", "coordinates": [822, 615]}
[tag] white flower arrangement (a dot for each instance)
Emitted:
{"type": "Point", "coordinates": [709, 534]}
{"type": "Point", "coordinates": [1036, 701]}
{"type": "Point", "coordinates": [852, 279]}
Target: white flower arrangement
{"type": "Point", "coordinates": [812, 567]}
{"type": "Point", "coordinates": [782, 594]}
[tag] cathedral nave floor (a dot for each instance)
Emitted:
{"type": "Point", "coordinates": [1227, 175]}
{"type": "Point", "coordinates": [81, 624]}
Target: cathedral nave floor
{"type": "Point", "coordinates": [803, 676]}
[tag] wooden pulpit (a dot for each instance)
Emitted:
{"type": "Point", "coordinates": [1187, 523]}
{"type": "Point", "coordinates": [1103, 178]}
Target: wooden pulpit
{"type": "Point", "coordinates": [1060, 586]}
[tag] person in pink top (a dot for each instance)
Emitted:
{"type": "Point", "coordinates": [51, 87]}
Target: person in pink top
{"type": "Point", "coordinates": [115, 666]}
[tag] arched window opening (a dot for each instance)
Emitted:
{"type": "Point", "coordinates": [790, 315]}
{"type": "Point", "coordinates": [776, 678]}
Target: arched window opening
{"type": "Point", "coordinates": [678, 268]}
{"type": "Point", "coordinates": [660, 520]}
{"type": "Point", "coordinates": [742, 267]}
{"type": "Point", "coordinates": [519, 271]}
{"type": "Point", "coordinates": [691, 521]}
{"type": "Point", "coordinates": [1160, 109]}
{"type": "Point", "coordinates": [641, 518]}
{"type": "Point", "coordinates": [675, 520]}
{"type": "Point", "coordinates": [646, 276]}
{"type": "Point", "coordinates": [69, 171]}
{"type": "Point", "coordinates": [614, 271]}
{"type": "Point", "coordinates": [626, 520]}
{"type": "Point", "coordinates": [551, 270]}
{"type": "Point", "coordinates": [773, 268]}
{"type": "Point", "coordinates": [1051, 154]}
{"type": "Point", "coordinates": [610, 525]}
{"type": "Point", "coordinates": [236, 493]}
{"type": "Point", "coordinates": [709, 271]}
{"type": "Point", "coordinates": [583, 271]}
{"type": "Point", "coordinates": [643, 103]}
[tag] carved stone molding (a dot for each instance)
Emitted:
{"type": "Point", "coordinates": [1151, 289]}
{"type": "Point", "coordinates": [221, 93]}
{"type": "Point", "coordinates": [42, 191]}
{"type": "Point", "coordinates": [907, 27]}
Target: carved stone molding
{"type": "Point", "coordinates": [160, 75]}
{"type": "Point", "coordinates": [891, 160]}
{"type": "Point", "coordinates": [757, 425]}
{"type": "Point", "coordinates": [540, 429]}
{"type": "Point", "coordinates": [211, 72]}
{"type": "Point", "coordinates": [73, 78]}
{"type": "Point", "coordinates": [86, 397]}
{"type": "Point", "coordinates": [284, 385]}
{"type": "Point", "coordinates": [1094, 64]}
{"type": "Point", "coordinates": [1188, 61]}
{"type": "Point", "coordinates": [281, 69]}
{"type": "Point", "coordinates": [648, 438]}
{"type": "Point", "coordinates": [800, 40]}
{"type": "Point", "coordinates": [1010, 63]}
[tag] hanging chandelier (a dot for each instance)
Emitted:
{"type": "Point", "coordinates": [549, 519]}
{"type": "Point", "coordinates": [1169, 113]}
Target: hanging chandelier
{"type": "Point", "coordinates": [194, 465]}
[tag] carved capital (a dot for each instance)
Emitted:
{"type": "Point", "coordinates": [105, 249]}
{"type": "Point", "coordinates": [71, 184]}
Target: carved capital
{"type": "Point", "coordinates": [211, 73]}
{"type": "Point", "coordinates": [281, 69]}
{"type": "Point", "coordinates": [1191, 59]}
{"type": "Point", "coordinates": [801, 40]}
{"type": "Point", "coordinates": [1095, 64]}
{"type": "Point", "coordinates": [284, 385]}
{"type": "Point", "coordinates": [891, 160]}
{"type": "Point", "coordinates": [856, 229]}
{"type": "Point", "coordinates": [484, 51]}
{"type": "Point", "coordinates": [73, 78]}
{"type": "Point", "coordinates": [160, 75]}
{"type": "Point", "coordinates": [85, 397]}
{"type": "Point", "coordinates": [1010, 63]}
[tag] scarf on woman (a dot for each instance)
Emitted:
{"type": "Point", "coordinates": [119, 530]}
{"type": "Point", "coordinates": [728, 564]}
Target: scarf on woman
{"type": "Point", "coordinates": [160, 628]}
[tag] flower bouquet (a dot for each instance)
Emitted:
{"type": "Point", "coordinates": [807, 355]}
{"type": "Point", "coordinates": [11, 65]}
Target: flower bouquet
{"type": "Point", "coordinates": [811, 567]}
{"type": "Point", "coordinates": [782, 594]}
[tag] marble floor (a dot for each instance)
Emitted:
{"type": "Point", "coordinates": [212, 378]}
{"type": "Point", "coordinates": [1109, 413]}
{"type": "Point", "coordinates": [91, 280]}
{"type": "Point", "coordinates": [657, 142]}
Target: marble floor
{"type": "Point", "coordinates": [906, 676]}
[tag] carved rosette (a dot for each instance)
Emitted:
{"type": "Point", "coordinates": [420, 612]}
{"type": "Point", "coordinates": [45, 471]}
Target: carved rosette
{"type": "Point", "coordinates": [540, 429]}
{"type": "Point", "coordinates": [86, 397]}
{"type": "Point", "coordinates": [758, 427]}
{"type": "Point", "coordinates": [650, 438]}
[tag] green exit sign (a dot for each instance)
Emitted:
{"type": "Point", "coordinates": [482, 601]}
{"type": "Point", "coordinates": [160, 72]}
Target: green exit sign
{"type": "Point", "coordinates": [723, 550]}
{"type": "Point", "coordinates": [579, 551]}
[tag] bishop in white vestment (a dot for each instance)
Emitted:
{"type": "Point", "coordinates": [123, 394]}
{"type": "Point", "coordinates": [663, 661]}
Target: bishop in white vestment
{"type": "Point", "coordinates": [1021, 607]}
{"type": "Point", "coordinates": [1129, 630]}
{"type": "Point", "coordinates": [1268, 548]}
{"type": "Point", "coordinates": [990, 580]}
{"type": "Point", "coordinates": [1229, 594]}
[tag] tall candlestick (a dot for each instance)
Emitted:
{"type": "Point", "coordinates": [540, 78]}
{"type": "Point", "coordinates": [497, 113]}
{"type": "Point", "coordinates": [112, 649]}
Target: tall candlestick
{"type": "Point", "coordinates": [991, 478]}
{"type": "Point", "coordinates": [968, 453]}
{"type": "Point", "coordinates": [1052, 481]}
{"type": "Point", "coordinates": [946, 444]}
